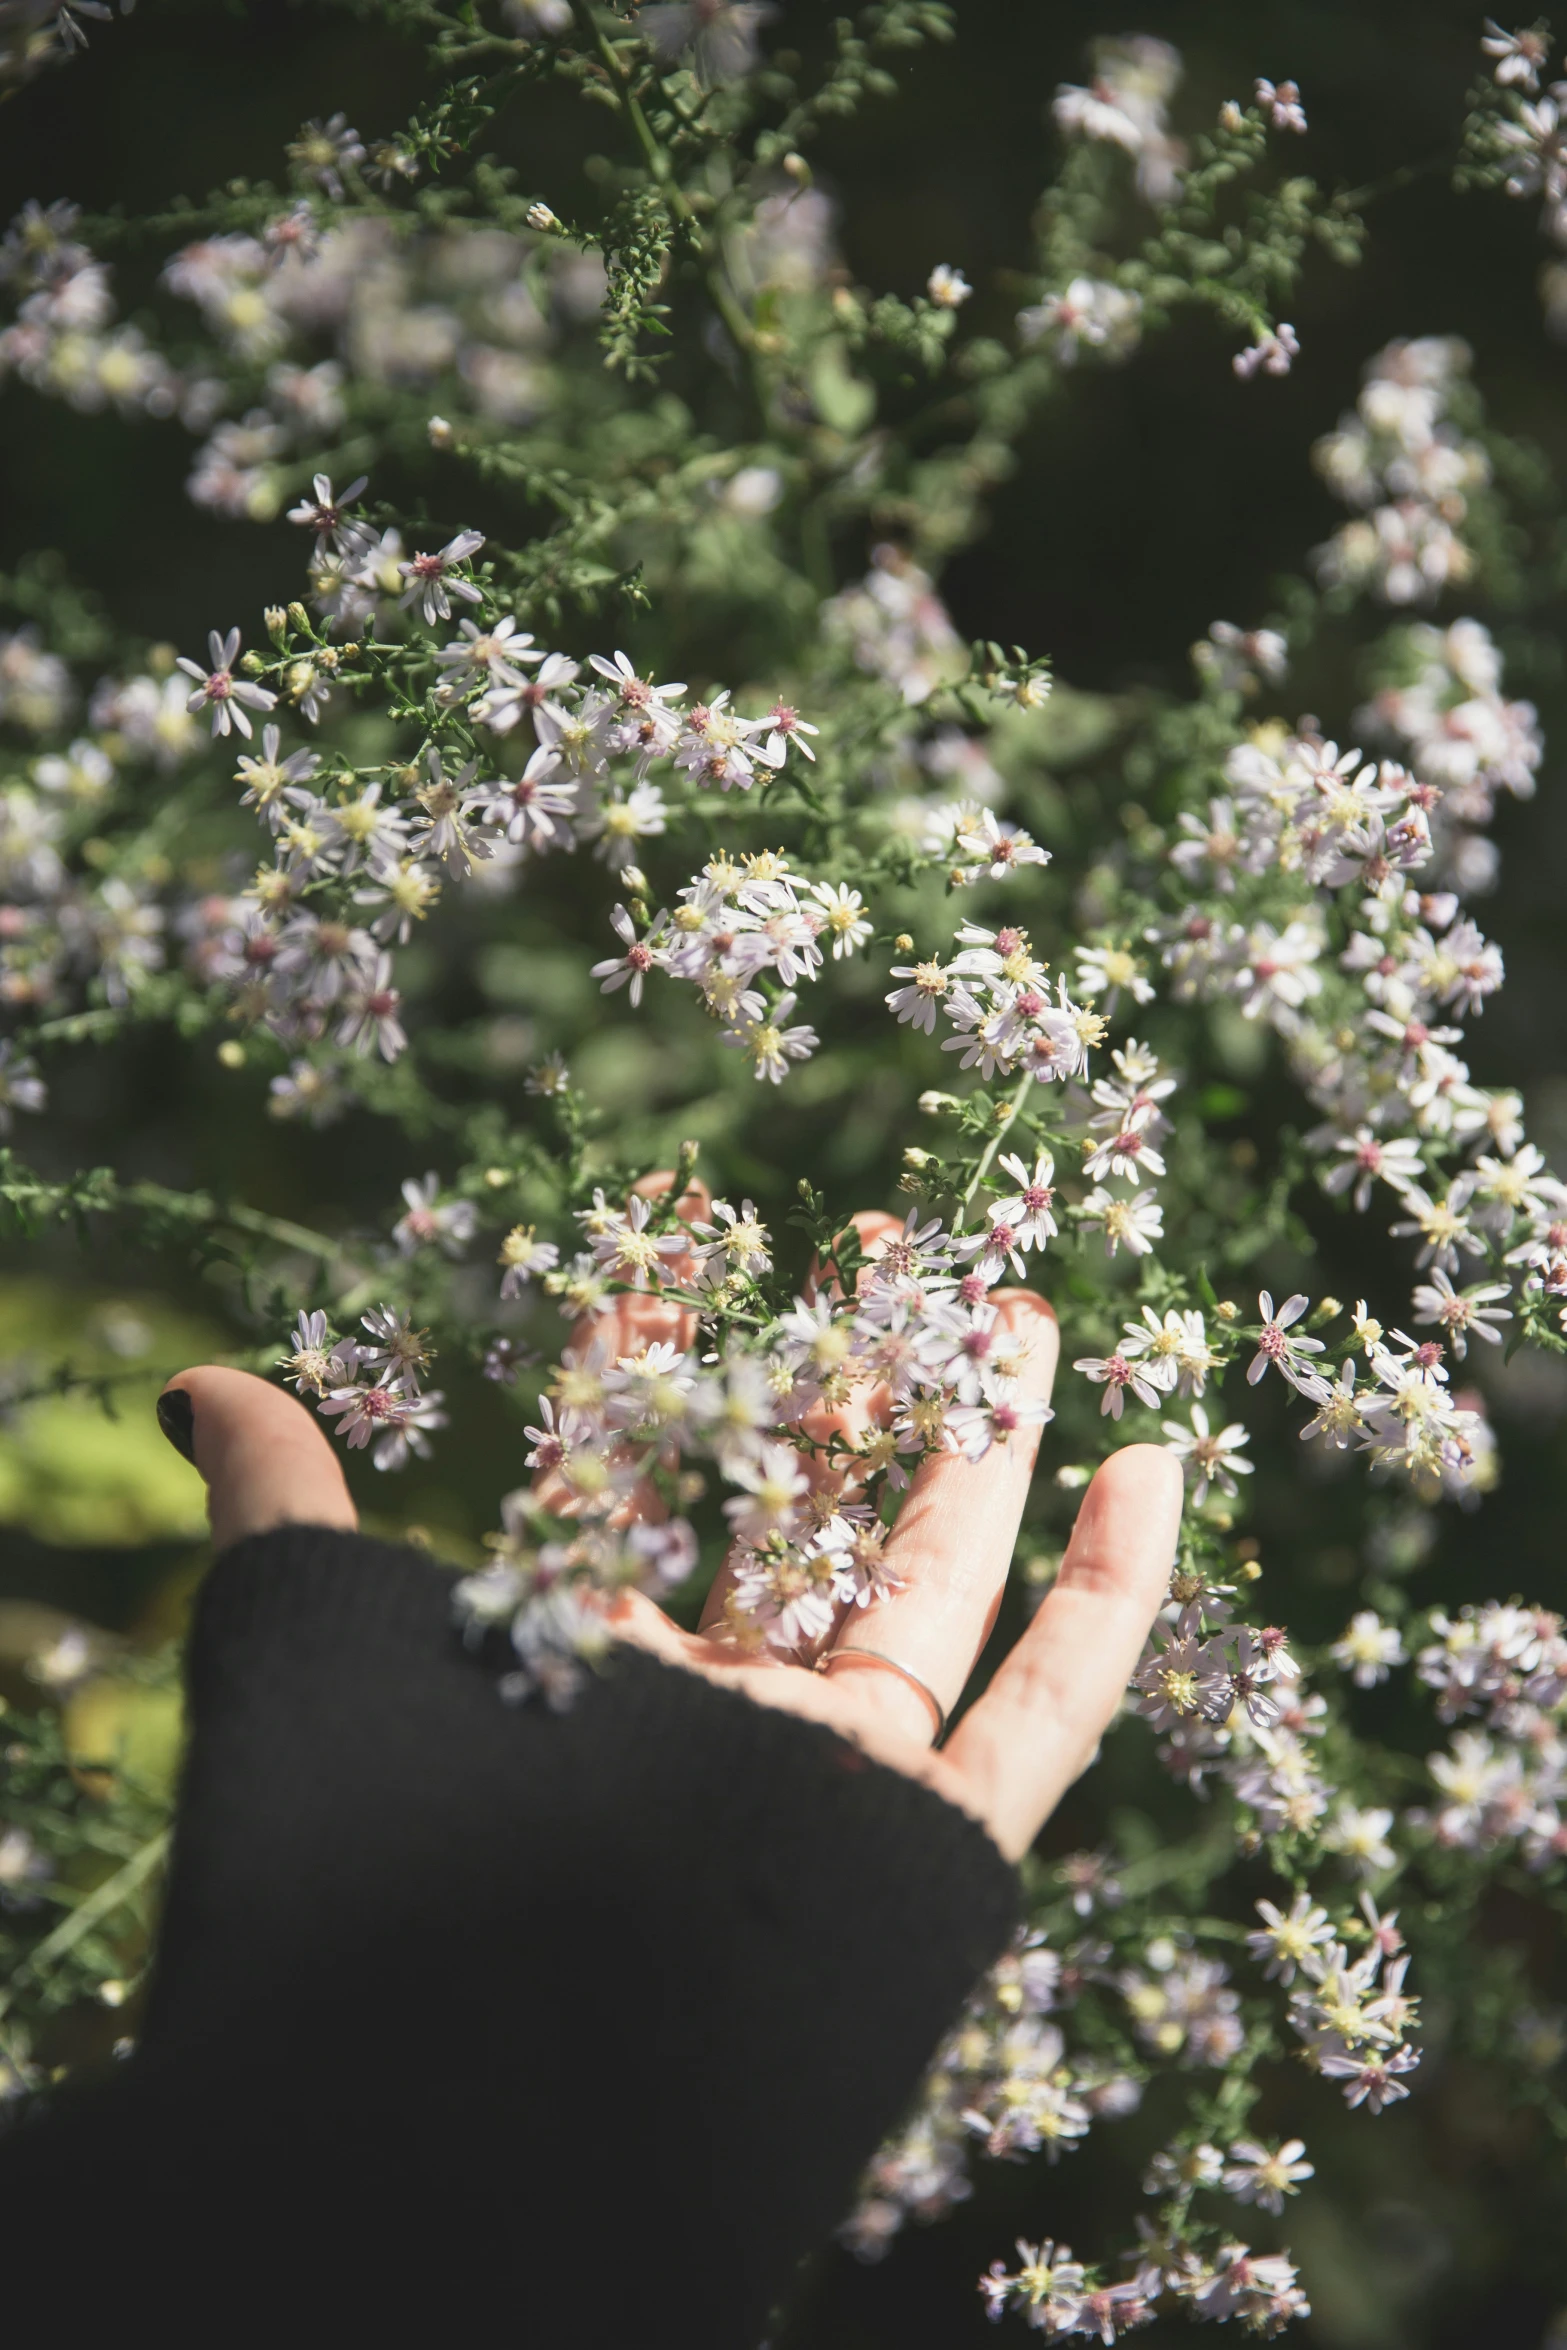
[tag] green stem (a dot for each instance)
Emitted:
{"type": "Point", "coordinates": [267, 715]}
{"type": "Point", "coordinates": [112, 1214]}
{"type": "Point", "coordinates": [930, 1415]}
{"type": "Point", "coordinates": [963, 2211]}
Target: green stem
{"type": "Point", "coordinates": [104, 1898]}
{"type": "Point", "coordinates": [1019, 1097]}
{"type": "Point", "coordinates": [662, 171]}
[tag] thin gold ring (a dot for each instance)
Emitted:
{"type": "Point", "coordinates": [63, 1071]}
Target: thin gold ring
{"type": "Point", "coordinates": [873, 1656]}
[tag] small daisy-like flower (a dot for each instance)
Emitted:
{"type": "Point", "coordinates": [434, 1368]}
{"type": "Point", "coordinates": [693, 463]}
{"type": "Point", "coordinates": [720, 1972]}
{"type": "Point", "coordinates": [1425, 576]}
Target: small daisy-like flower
{"type": "Point", "coordinates": [428, 1221]}
{"type": "Point", "coordinates": [770, 1044]}
{"type": "Point", "coordinates": [1131, 1223]}
{"type": "Point", "coordinates": [1462, 1314]}
{"type": "Point", "coordinates": [433, 579]}
{"type": "Point", "coordinates": [918, 1001]}
{"type": "Point", "coordinates": [641, 956]}
{"type": "Point", "coordinates": [526, 1260]}
{"type": "Point", "coordinates": [844, 917]}
{"type": "Point", "coordinates": [1212, 1456]}
{"type": "Point", "coordinates": [1277, 1347]}
{"type": "Point", "coordinates": [323, 512]}
{"type": "Point", "coordinates": [1116, 1373]}
{"type": "Point", "coordinates": [319, 1360]}
{"type": "Point", "coordinates": [220, 691]}
{"type": "Point", "coordinates": [1290, 1939]}
{"type": "Point", "coordinates": [1369, 1649]}
{"type": "Point", "coordinates": [1265, 2175]}
{"type": "Point", "coordinates": [1106, 970]}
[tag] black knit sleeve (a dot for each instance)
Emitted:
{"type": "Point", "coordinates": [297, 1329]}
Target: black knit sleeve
{"type": "Point", "coordinates": [583, 2021]}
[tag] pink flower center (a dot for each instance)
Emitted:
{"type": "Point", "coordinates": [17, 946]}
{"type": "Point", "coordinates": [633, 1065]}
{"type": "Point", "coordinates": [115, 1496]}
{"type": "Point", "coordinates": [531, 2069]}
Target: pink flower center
{"type": "Point", "coordinates": [220, 685]}
{"type": "Point", "coordinates": [1273, 1343]}
{"type": "Point", "coordinates": [1037, 1197]}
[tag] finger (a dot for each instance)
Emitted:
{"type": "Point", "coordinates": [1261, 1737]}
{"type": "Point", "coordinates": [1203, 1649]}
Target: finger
{"type": "Point", "coordinates": [1038, 1724]}
{"type": "Point", "coordinates": [953, 1542]}
{"type": "Point", "coordinates": [266, 1460]}
{"type": "Point", "coordinates": [840, 1428]}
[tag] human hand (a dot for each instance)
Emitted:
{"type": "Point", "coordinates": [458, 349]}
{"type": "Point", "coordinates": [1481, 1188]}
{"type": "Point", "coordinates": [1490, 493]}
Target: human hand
{"type": "Point", "coordinates": [268, 1463]}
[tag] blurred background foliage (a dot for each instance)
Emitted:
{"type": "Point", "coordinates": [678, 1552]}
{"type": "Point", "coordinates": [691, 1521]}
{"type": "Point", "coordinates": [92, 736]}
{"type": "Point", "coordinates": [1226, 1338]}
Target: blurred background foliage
{"type": "Point", "coordinates": [1148, 500]}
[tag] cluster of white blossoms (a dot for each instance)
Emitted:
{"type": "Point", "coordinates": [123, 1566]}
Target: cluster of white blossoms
{"type": "Point", "coordinates": [1408, 467]}
{"type": "Point", "coordinates": [1056, 2295]}
{"type": "Point", "coordinates": [308, 946]}
{"type": "Point", "coordinates": [1002, 2084]}
{"type": "Point", "coordinates": [1503, 1786]}
{"type": "Point", "coordinates": [807, 1534]}
{"type": "Point", "coordinates": [315, 306]}
{"type": "Point", "coordinates": [1126, 105]}
{"type": "Point", "coordinates": [1525, 137]}
{"type": "Point", "coordinates": [372, 1386]}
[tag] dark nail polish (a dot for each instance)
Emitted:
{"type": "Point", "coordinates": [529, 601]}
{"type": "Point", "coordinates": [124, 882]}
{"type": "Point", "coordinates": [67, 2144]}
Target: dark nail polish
{"type": "Point", "coordinates": [177, 1419]}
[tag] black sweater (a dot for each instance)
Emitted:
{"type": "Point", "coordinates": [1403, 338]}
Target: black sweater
{"type": "Point", "coordinates": [472, 2020]}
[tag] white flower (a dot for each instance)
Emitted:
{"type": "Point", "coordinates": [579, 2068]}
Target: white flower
{"type": "Point", "coordinates": [1291, 1940]}
{"type": "Point", "coordinates": [1273, 1346]}
{"type": "Point", "coordinates": [1519, 55]}
{"type": "Point", "coordinates": [324, 512]}
{"type": "Point", "coordinates": [433, 581]}
{"type": "Point", "coordinates": [1023, 1221]}
{"type": "Point", "coordinates": [220, 691]}
{"type": "Point", "coordinates": [1106, 970]}
{"type": "Point", "coordinates": [1258, 2174]}
{"type": "Point", "coordinates": [770, 1044]}
{"type": "Point", "coordinates": [371, 1007]}
{"type": "Point", "coordinates": [1215, 1458]}
{"type": "Point", "coordinates": [917, 1002]}
{"type": "Point", "coordinates": [1274, 353]}
{"type": "Point", "coordinates": [641, 956]}
{"type": "Point", "coordinates": [488, 653]}
{"type": "Point", "coordinates": [1369, 1649]}
{"type": "Point", "coordinates": [449, 1226]}
{"type": "Point", "coordinates": [1365, 1158]}
{"type": "Point", "coordinates": [1091, 312]}
{"type": "Point", "coordinates": [1462, 1313]}
{"type": "Point", "coordinates": [948, 288]}
{"type": "Point", "coordinates": [1362, 1837]}
{"type": "Point", "coordinates": [1138, 1222]}
{"type": "Point", "coordinates": [525, 1258]}
{"type": "Point", "coordinates": [1117, 1373]}
{"type": "Point", "coordinates": [845, 918]}
{"type": "Point", "coordinates": [1281, 103]}
{"type": "Point", "coordinates": [774, 1486]}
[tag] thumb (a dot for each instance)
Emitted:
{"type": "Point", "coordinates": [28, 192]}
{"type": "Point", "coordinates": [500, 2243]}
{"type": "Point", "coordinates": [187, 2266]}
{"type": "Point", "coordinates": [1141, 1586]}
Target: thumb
{"type": "Point", "coordinates": [265, 1460]}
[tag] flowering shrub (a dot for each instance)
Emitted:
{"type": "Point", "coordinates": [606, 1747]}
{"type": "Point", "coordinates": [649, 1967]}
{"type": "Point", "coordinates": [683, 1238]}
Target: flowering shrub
{"type": "Point", "coordinates": [860, 881]}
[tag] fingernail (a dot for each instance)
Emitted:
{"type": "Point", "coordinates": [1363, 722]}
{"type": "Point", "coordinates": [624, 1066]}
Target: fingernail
{"type": "Point", "coordinates": [177, 1419]}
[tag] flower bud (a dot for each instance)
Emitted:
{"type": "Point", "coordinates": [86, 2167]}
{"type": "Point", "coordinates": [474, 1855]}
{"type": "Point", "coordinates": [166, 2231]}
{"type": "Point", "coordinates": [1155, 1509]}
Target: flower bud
{"type": "Point", "coordinates": [299, 616]}
{"type": "Point", "coordinates": [277, 623]}
{"type": "Point", "coordinates": [903, 944]}
{"type": "Point", "coordinates": [1227, 1310]}
{"type": "Point", "coordinates": [798, 169]}
{"type": "Point", "coordinates": [1328, 1310]}
{"type": "Point", "coordinates": [252, 665]}
{"type": "Point", "coordinates": [1230, 116]}
{"type": "Point", "coordinates": [497, 1177]}
{"type": "Point", "coordinates": [440, 432]}
{"type": "Point", "coordinates": [935, 1104]}
{"type": "Point", "coordinates": [541, 218]}
{"type": "Point", "coordinates": [231, 1053]}
{"type": "Point", "coordinates": [918, 1159]}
